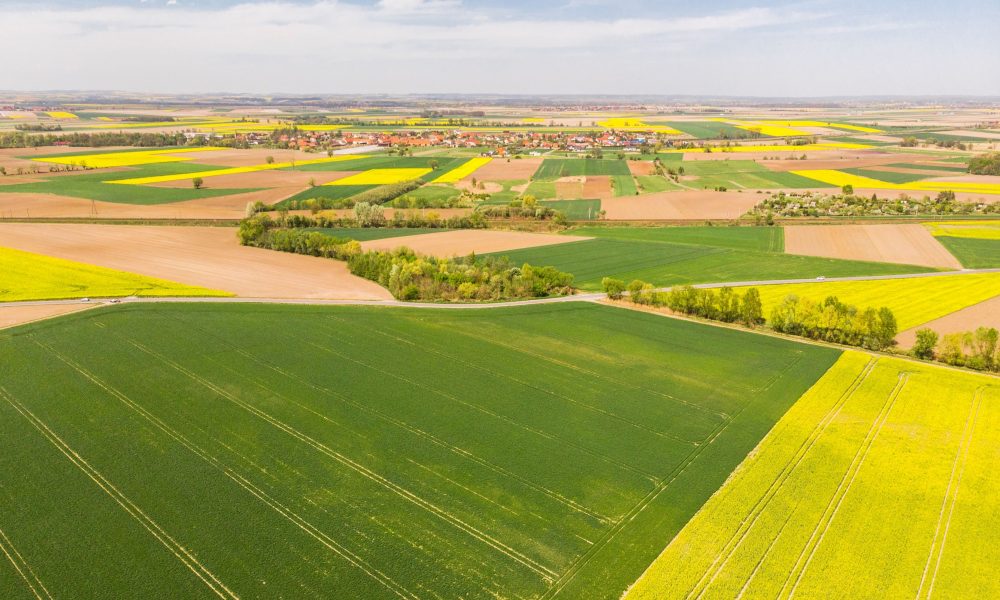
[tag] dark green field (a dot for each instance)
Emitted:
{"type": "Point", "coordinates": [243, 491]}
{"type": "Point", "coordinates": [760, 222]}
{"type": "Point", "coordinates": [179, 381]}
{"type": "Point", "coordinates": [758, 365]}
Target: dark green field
{"type": "Point", "coordinates": [186, 451]}
{"type": "Point", "coordinates": [554, 168]}
{"type": "Point", "coordinates": [737, 174]}
{"type": "Point", "coordinates": [576, 210]}
{"type": "Point", "coordinates": [973, 253]}
{"type": "Point", "coordinates": [764, 239]}
{"type": "Point", "coordinates": [707, 130]}
{"type": "Point", "coordinates": [91, 185]}
{"type": "Point", "coordinates": [670, 256]}
{"type": "Point", "coordinates": [886, 176]}
{"type": "Point", "coordinates": [624, 185]}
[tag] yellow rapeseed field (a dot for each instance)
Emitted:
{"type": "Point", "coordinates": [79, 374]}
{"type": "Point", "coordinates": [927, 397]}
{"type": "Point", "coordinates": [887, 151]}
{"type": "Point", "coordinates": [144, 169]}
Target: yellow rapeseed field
{"type": "Point", "coordinates": [982, 230]}
{"type": "Point", "coordinates": [914, 300]}
{"type": "Point", "coordinates": [764, 128]}
{"type": "Point", "coordinates": [106, 160]}
{"type": "Point", "coordinates": [230, 170]}
{"type": "Point", "coordinates": [464, 170]}
{"type": "Point", "coordinates": [58, 114]}
{"type": "Point", "coordinates": [840, 179]}
{"type": "Point", "coordinates": [29, 276]}
{"type": "Point", "coordinates": [633, 124]}
{"type": "Point", "coordinates": [827, 124]}
{"type": "Point", "coordinates": [878, 483]}
{"type": "Point", "coordinates": [381, 177]}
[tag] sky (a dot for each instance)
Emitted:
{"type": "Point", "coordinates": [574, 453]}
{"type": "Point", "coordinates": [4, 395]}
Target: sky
{"type": "Point", "coordinates": [764, 48]}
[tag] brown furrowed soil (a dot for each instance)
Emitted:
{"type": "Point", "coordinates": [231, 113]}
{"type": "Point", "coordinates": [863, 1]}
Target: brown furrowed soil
{"type": "Point", "coordinates": [499, 169]}
{"type": "Point", "coordinates": [695, 205]}
{"type": "Point", "coordinates": [903, 244]}
{"type": "Point", "coordinates": [19, 315]}
{"type": "Point", "coordinates": [984, 314]}
{"type": "Point", "coordinates": [205, 256]}
{"type": "Point", "coordinates": [464, 241]}
{"type": "Point", "coordinates": [641, 167]}
{"type": "Point", "coordinates": [598, 187]}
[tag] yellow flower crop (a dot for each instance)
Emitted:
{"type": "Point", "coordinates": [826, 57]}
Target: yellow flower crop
{"type": "Point", "coordinates": [230, 171]}
{"type": "Point", "coordinates": [106, 160]}
{"type": "Point", "coordinates": [982, 230]}
{"type": "Point", "coordinates": [58, 114]}
{"type": "Point", "coordinates": [840, 179]}
{"type": "Point", "coordinates": [381, 177]}
{"type": "Point", "coordinates": [29, 276]}
{"type": "Point", "coordinates": [879, 482]}
{"type": "Point", "coordinates": [462, 171]}
{"type": "Point", "coordinates": [630, 124]}
{"type": "Point", "coordinates": [914, 300]}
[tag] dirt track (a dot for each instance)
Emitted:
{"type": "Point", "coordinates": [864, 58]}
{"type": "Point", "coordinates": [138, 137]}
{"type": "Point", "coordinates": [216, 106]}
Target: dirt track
{"type": "Point", "coordinates": [464, 241]}
{"type": "Point", "coordinates": [206, 256]}
{"type": "Point", "coordinates": [903, 244]}
{"type": "Point", "coordinates": [984, 314]}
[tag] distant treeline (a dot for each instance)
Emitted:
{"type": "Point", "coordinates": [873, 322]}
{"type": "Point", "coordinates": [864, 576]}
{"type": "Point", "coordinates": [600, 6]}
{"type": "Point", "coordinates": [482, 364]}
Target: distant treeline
{"type": "Point", "coordinates": [985, 164]}
{"type": "Point", "coordinates": [851, 205]}
{"type": "Point", "coordinates": [973, 349]}
{"type": "Point", "coordinates": [17, 139]}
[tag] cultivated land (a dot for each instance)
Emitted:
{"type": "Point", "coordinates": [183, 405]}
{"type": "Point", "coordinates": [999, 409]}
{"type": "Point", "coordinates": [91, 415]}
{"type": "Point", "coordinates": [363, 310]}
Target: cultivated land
{"type": "Point", "coordinates": [982, 314]}
{"type": "Point", "coordinates": [671, 256]}
{"type": "Point", "coordinates": [29, 276]}
{"type": "Point", "coordinates": [905, 244]}
{"type": "Point", "coordinates": [196, 256]}
{"type": "Point", "coordinates": [340, 450]}
{"type": "Point", "coordinates": [465, 241]}
{"type": "Point", "coordinates": [823, 495]}
{"type": "Point", "coordinates": [913, 301]}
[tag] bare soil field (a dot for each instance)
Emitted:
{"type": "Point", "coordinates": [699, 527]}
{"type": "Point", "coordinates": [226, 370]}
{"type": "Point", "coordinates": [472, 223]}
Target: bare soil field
{"type": "Point", "coordinates": [263, 179]}
{"type": "Point", "coordinates": [499, 169]}
{"type": "Point", "coordinates": [984, 314]}
{"type": "Point", "coordinates": [489, 187]}
{"type": "Point", "coordinates": [206, 256]}
{"type": "Point", "coordinates": [903, 244]}
{"type": "Point", "coordinates": [785, 154]}
{"type": "Point", "coordinates": [246, 158]}
{"type": "Point", "coordinates": [695, 205]}
{"type": "Point", "coordinates": [991, 179]}
{"type": "Point", "coordinates": [641, 167]}
{"type": "Point", "coordinates": [598, 187]}
{"type": "Point", "coordinates": [52, 206]}
{"type": "Point", "coordinates": [463, 241]}
{"type": "Point", "coordinates": [569, 190]}
{"type": "Point", "coordinates": [341, 213]}
{"type": "Point", "coordinates": [987, 135]}
{"type": "Point", "coordinates": [842, 162]}
{"type": "Point", "coordinates": [19, 315]}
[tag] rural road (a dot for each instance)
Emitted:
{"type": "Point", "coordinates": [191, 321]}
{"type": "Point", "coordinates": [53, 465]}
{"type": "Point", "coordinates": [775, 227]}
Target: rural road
{"type": "Point", "coordinates": [585, 297]}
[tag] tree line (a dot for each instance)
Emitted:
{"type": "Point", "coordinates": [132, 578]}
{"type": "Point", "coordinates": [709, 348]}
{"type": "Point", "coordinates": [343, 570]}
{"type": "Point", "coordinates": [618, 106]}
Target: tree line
{"type": "Point", "coordinates": [972, 349]}
{"type": "Point", "coordinates": [830, 320]}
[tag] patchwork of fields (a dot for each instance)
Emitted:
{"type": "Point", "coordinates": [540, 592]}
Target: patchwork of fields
{"type": "Point", "coordinates": [361, 457]}
{"type": "Point", "coordinates": [884, 471]}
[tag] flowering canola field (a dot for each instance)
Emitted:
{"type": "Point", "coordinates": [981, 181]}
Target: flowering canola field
{"type": "Point", "coordinates": [106, 160]}
{"type": "Point", "coordinates": [878, 483]}
{"type": "Point", "coordinates": [30, 276]}
{"type": "Point", "coordinates": [980, 230]}
{"type": "Point", "coordinates": [230, 171]}
{"type": "Point", "coordinates": [840, 179]}
{"type": "Point", "coordinates": [914, 300]}
{"type": "Point", "coordinates": [58, 114]}
{"type": "Point", "coordinates": [464, 170]}
{"type": "Point", "coordinates": [626, 123]}
{"type": "Point", "coordinates": [381, 177]}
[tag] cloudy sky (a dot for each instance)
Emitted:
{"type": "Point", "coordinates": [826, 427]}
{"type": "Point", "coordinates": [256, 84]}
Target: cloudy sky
{"type": "Point", "coordinates": [729, 47]}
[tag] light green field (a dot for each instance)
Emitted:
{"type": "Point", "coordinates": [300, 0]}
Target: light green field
{"type": "Point", "coordinates": [879, 483]}
{"type": "Point", "coordinates": [29, 276]}
{"type": "Point", "coordinates": [252, 450]}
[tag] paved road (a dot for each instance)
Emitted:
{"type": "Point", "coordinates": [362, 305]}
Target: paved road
{"type": "Point", "coordinates": [587, 297]}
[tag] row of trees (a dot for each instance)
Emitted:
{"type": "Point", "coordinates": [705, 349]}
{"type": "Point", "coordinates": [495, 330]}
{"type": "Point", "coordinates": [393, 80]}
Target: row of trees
{"type": "Point", "coordinates": [18, 139]}
{"type": "Point", "coordinates": [411, 277]}
{"type": "Point", "coordinates": [830, 320]}
{"type": "Point", "coordinates": [985, 164]}
{"type": "Point", "coordinates": [848, 204]}
{"type": "Point", "coordinates": [973, 349]}
{"type": "Point", "coordinates": [725, 305]}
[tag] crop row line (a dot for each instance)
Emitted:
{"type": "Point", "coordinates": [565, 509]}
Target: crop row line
{"type": "Point", "coordinates": [130, 507]}
{"type": "Point", "coordinates": [751, 519]}
{"type": "Point", "coordinates": [23, 569]}
{"type": "Point", "coordinates": [357, 467]}
{"type": "Point", "coordinates": [300, 522]}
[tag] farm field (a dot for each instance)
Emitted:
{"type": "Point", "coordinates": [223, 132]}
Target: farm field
{"type": "Point", "coordinates": [913, 300]}
{"type": "Point", "coordinates": [264, 456]}
{"type": "Point", "coordinates": [981, 314]}
{"type": "Point", "coordinates": [209, 257]}
{"type": "Point", "coordinates": [821, 495]}
{"type": "Point", "coordinates": [976, 244]}
{"type": "Point", "coordinates": [666, 263]}
{"type": "Point", "coordinates": [461, 242]}
{"type": "Point", "coordinates": [905, 244]}
{"type": "Point", "coordinates": [740, 174]}
{"type": "Point", "coordinates": [765, 239]}
{"type": "Point", "coordinates": [30, 276]}
{"type": "Point", "coordinates": [554, 168]}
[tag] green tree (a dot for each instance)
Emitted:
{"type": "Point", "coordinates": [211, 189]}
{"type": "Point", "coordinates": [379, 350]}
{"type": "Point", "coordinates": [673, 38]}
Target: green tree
{"type": "Point", "coordinates": [927, 340]}
{"type": "Point", "coordinates": [751, 308]}
{"type": "Point", "coordinates": [197, 182]}
{"type": "Point", "coordinates": [613, 287]}
{"type": "Point", "coordinates": [635, 290]}
{"type": "Point", "coordinates": [269, 160]}
{"type": "Point", "coordinates": [847, 190]}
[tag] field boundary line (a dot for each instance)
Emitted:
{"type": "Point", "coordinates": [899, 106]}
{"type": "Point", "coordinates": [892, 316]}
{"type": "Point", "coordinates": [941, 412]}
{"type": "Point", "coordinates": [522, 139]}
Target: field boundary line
{"type": "Point", "coordinates": [23, 569]}
{"type": "Point", "coordinates": [823, 526]}
{"type": "Point", "coordinates": [154, 528]}
{"type": "Point", "coordinates": [543, 571]}
{"type": "Point", "coordinates": [530, 385]}
{"type": "Point", "coordinates": [300, 522]}
{"type": "Point", "coordinates": [751, 519]}
{"type": "Point", "coordinates": [950, 497]}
